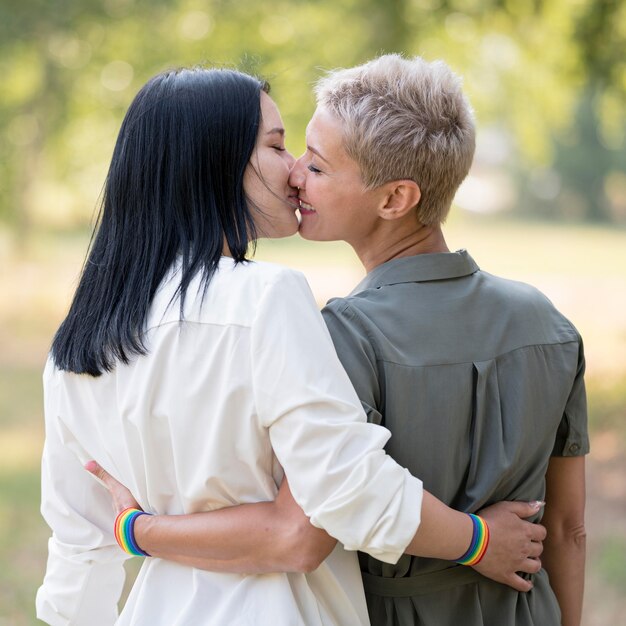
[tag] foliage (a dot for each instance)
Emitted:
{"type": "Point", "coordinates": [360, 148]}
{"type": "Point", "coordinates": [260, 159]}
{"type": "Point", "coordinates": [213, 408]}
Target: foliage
{"type": "Point", "coordinates": [70, 68]}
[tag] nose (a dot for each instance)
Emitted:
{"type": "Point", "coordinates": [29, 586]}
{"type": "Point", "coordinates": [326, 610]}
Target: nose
{"type": "Point", "coordinates": [297, 175]}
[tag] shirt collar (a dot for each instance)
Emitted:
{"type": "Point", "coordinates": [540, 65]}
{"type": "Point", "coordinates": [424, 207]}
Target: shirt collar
{"type": "Point", "coordinates": [419, 268]}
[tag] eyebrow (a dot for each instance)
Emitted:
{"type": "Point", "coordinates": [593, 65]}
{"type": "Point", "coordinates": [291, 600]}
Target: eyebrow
{"type": "Point", "coordinates": [314, 151]}
{"type": "Point", "coordinates": [280, 131]}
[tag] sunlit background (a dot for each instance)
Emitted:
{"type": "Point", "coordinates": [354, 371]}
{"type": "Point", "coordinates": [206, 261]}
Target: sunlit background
{"type": "Point", "coordinates": [545, 201]}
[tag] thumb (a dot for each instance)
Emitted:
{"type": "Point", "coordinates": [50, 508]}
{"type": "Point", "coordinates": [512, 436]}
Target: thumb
{"type": "Point", "coordinates": [94, 468]}
{"type": "Point", "coordinates": [525, 509]}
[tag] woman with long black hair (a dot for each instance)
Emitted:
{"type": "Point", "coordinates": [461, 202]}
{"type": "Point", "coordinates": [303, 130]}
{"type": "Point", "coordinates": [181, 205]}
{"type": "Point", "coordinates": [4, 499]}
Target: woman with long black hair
{"type": "Point", "coordinates": [200, 380]}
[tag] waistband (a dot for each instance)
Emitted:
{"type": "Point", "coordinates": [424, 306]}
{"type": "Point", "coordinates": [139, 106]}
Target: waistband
{"type": "Point", "coordinates": [420, 584]}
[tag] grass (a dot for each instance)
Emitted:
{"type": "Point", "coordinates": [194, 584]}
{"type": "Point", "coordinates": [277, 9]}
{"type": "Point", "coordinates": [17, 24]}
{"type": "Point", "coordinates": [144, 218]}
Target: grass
{"type": "Point", "coordinates": [582, 269]}
{"type": "Point", "coordinates": [23, 539]}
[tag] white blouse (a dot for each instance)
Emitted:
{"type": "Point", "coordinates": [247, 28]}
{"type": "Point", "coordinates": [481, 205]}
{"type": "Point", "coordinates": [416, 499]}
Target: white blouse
{"type": "Point", "coordinates": [248, 385]}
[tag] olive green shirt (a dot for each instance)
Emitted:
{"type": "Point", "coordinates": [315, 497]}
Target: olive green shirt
{"type": "Point", "coordinates": [480, 380]}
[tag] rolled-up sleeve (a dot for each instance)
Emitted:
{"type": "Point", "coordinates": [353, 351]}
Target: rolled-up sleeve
{"type": "Point", "coordinates": [338, 471]}
{"type": "Point", "coordinates": [85, 574]}
{"type": "Point", "coordinates": [572, 437]}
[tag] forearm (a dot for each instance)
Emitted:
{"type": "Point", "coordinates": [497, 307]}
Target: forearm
{"type": "Point", "coordinates": [243, 539]}
{"type": "Point", "coordinates": [564, 560]}
{"type": "Point", "coordinates": [564, 518]}
{"type": "Point", "coordinates": [443, 533]}
{"type": "Point", "coordinates": [257, 538]}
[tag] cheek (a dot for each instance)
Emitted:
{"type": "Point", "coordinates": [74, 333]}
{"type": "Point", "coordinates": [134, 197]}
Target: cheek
{"type": "Point", "coordinates": [318, 190]}
{"type": "Point", "coordinates": [278, 171]}
{"type": "Point", "coordinates": [329, 195]}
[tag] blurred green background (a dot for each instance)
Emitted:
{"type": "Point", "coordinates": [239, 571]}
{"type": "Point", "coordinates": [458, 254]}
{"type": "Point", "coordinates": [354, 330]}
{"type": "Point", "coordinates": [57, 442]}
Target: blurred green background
{"type": "Point", "coordinates": [545, 201]}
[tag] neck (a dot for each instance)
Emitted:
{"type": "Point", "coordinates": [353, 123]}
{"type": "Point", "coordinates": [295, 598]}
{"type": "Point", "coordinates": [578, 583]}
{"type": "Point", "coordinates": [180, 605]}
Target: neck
{"type": "Point", "coordinates": [392, 241]}
{"type": "Point", "coordinates": [226, 250]}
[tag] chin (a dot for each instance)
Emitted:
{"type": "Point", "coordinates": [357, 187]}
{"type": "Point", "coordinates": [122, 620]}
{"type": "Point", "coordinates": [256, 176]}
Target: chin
{"type": "Point", "coordinates": [311, 235]}
{"type": "Point", "coordinates": [287, 232]}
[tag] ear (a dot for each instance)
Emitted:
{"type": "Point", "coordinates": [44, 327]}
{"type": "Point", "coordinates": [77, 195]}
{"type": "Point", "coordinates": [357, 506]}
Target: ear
{"type": "Point", "coordinates": [401, 196]}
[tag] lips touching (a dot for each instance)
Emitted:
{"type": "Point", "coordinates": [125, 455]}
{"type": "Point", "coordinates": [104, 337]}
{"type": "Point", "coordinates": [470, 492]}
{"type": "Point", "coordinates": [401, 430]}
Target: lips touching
{"type": "Point", "coordinates": [305, 208]}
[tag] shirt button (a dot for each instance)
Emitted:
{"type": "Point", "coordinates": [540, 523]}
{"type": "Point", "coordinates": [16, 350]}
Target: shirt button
{"type": "Point", "coordinates": [574, 448]}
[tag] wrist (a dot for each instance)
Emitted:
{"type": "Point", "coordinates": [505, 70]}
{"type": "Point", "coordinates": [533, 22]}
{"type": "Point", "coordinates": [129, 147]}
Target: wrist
{"type": "Point", "coordinates": [458, 529]}
{"type": "Point", "coordinates": [479, 542]}
{"type": "Point", "coordinates": [144, 526]}
{"type": "Point", "coordinates": [461, 539]}
{"type": "Point", "coordinates": [124, 531]}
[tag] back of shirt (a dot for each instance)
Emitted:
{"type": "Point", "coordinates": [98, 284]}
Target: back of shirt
{"type": "Point", "coordinates": [247, 385]}
{"type": "Point", "coordinates": [479, 379]}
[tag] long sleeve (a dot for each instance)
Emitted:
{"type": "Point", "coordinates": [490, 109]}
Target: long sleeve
{"type": "Point", "coordinates": [338, 471]}
{"type": "Point", "coordinates": [85, 573]}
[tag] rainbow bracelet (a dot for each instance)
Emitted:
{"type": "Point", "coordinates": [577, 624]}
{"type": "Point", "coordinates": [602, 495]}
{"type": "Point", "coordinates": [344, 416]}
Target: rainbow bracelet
{"type": "Point", "coordinates": [479, 543]}
{"type": "Point", "coordinates": [124, 531]}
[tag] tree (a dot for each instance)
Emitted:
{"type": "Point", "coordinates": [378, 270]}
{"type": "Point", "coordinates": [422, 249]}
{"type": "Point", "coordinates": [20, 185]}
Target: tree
{"type": "Point", "coordinates": [71, 67]}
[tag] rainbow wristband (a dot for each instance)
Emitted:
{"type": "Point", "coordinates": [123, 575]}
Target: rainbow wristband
{"type": "Point", "coordinates": [479, 543]}
{"type": "Point", "coordinates": [124, 531]}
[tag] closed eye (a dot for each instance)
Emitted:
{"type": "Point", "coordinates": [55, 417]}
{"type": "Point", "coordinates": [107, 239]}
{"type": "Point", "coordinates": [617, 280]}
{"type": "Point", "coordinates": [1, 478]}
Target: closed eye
{"type": "Point", "coordinates": [314, 169]}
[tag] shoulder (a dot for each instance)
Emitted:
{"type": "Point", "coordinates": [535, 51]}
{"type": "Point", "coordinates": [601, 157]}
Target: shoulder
{"type": "Point", "coordinates": [348, 316]}
{"type": "Point", "coordinates": [527, 302]}
{"type": "Point", "coordinates": [233, 296]}
{"type": "Point", "coordinates": [267, 274]}
{"type": "Point", "coordinates": [261, 281]}
{"type": "Point", "coordinates": [275, 290]}
{"type": "Point", "coordinates": [514, 292]}
{"type": "Point", "coordinates": [341, 308]}
{"type": "Point", "coordinates": [357, 308]}
{"type": "Point", "coordinates": [512, 287]}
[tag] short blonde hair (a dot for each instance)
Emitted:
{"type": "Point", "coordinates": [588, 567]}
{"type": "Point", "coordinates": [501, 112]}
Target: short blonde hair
{"type": "Point", "coordinates": [404, 119]}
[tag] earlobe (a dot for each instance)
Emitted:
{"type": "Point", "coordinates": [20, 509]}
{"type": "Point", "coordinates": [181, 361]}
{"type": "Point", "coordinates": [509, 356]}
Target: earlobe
{"type": "Point", "coordinates": [402, 197]}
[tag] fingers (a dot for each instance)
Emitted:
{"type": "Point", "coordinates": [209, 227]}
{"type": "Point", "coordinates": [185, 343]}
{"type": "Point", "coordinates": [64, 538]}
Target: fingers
{"type": "Point", "coordinates": [523, 509]}
{"type": "Point", "coordinates": [519, 583]}
{"type": "Point", "coordinates": [530, 566]}
{"type": "Point", "coordinates": [538, 532]}
{"type": "Point", "coordinates": [94, 468]}
{"type": "Point", "coordinates": [121, 497]}
{"type": "Point", "coordinates": [536, 548]}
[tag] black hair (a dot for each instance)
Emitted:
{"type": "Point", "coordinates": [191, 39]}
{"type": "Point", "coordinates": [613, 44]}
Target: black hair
{"type": "Point", "coordinates": [174, 187]}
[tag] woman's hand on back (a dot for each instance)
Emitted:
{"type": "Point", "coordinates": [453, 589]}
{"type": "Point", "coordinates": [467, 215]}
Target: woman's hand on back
{"type": "Point", "coordinates": [121, 497]}
{"type": "Point", "coordinates": [515, 544]}
{"type": "Point", "coordinates": [275, 536]}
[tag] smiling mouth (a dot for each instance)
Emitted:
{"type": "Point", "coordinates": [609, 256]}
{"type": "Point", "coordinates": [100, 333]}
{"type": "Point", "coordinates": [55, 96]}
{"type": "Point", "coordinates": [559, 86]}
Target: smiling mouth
{"type": "Point", "coordinates": [304, 206]}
